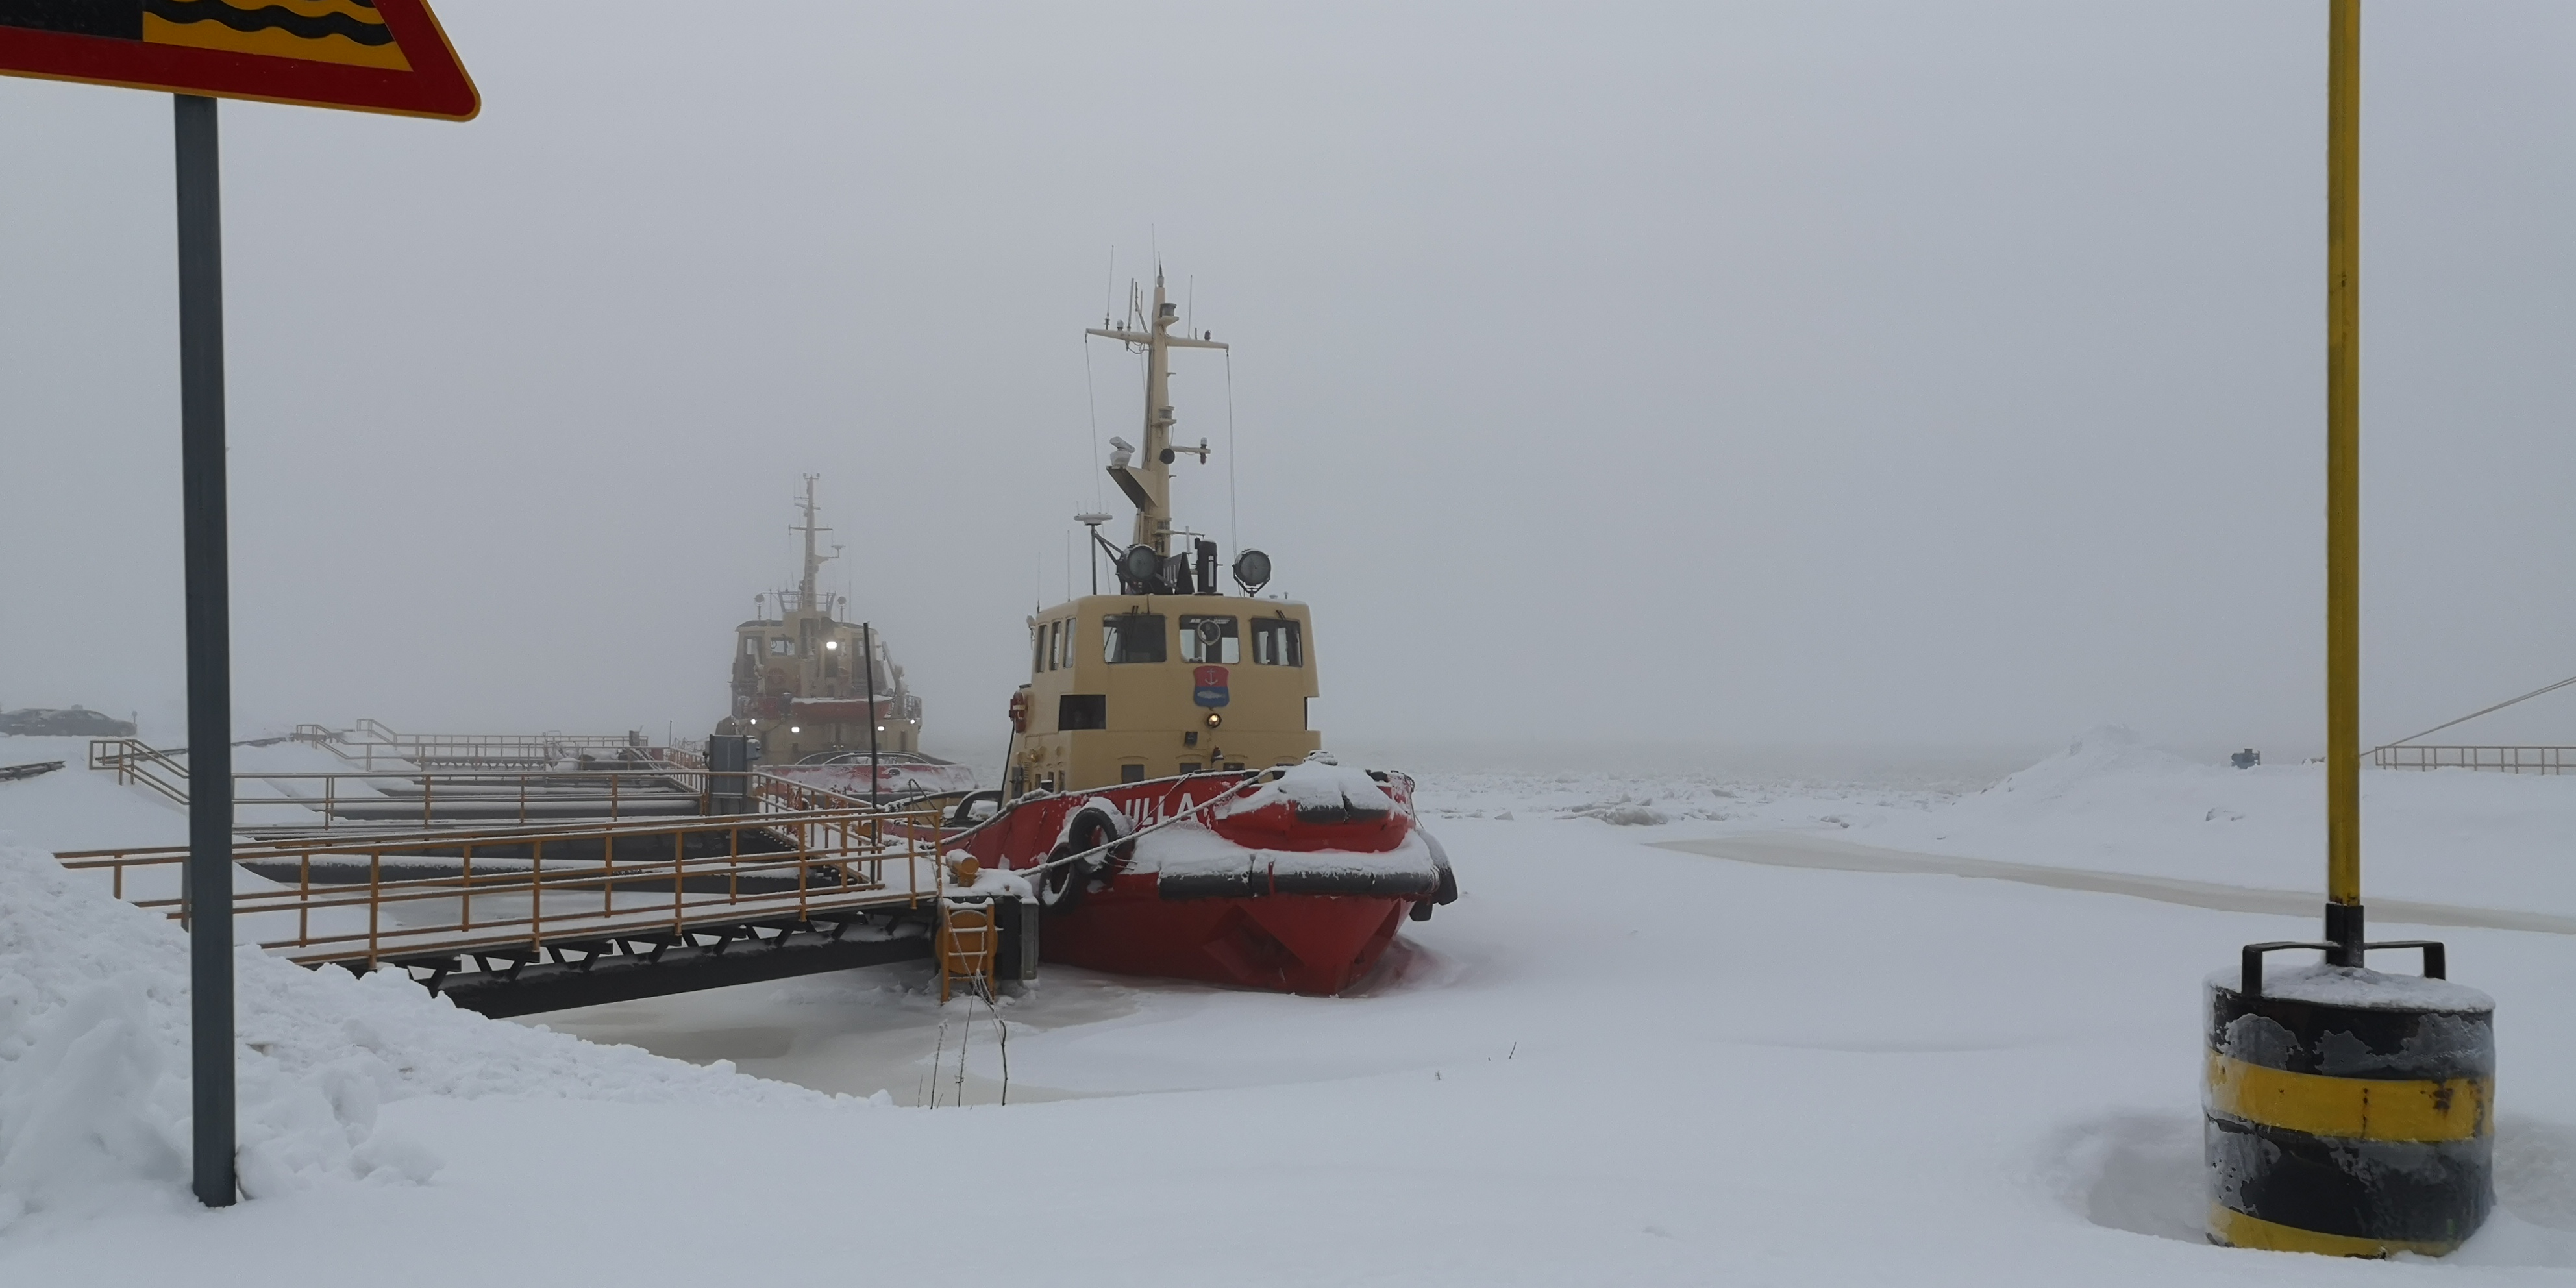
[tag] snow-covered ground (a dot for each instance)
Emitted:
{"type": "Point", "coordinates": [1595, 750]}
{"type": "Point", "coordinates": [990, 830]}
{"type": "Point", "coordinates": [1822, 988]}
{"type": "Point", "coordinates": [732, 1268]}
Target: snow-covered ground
{"type": "Point", "coordinates": [1608, 1062]}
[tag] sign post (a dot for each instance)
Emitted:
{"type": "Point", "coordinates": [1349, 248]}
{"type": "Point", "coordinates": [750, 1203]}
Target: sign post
{"type": "Point", "coordinates": [210, 676]}
{"type": "Point", "coordinates": [367, 55]}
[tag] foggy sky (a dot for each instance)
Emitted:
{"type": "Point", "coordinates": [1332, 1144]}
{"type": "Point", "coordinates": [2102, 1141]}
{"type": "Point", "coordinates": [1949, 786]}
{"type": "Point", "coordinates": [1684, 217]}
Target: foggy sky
{"type": "Point", "coordinates": [1796, 372]}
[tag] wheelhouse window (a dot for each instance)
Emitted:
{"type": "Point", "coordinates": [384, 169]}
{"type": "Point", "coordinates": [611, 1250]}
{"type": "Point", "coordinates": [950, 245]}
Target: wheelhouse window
{"type": "Point", "coordinates": [1211, 639]}
{"type": "Point", "coordinates": [1082, 711]}
{"type": "Point", "coordinates": [1132, 637]}
{"type": "Point", "coordinates": [1277, 641]}
{"type": "Point", "coordinates": [781, 646]}
{"type": "Point", "coordinates": [1037, 649]}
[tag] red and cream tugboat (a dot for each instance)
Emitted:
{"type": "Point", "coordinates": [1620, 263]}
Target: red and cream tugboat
{"type": "Point", "coordinates": [1168, 800]}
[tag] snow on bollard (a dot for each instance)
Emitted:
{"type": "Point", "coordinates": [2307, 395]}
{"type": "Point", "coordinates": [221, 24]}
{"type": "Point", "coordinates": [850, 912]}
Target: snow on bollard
{"type": "Point", "coordinates": [2348, 1112]}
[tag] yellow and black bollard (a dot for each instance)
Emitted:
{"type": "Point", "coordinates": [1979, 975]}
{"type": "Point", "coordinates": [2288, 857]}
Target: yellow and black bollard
{"type": "Point", "coordinates": [2348, 1112]}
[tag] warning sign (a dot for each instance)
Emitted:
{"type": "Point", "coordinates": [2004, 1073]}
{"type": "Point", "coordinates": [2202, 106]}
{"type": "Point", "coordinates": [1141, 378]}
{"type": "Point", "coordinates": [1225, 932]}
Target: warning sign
{"type": "Point", "coordinates": [369, 55]}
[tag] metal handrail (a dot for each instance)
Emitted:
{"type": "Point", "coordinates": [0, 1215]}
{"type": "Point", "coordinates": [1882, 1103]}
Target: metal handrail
{"type": "Point", "coordinates": [854, 847]}
{"type": "Point", "coordinates": [648, 781]}
{"type": "Point", "coordinates": [135, 761]}
{"type": "Point", "coordinates": [2500, 759]}
{"type": "Point", "coordinates": [370, 742]}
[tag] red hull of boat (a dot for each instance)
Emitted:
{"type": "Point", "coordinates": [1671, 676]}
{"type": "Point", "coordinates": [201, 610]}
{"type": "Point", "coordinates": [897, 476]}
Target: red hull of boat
{"type": "Point", "coordinates": [1296, 941]}
{"type": "Point", "coordinates": [1317, 944]}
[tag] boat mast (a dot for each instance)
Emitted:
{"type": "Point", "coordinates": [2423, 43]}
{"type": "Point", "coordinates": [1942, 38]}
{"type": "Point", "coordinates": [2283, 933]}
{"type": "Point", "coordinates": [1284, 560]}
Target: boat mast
{"type": "Point", "coordinates": [805, 593]}
{"type": "Point", "coordinates": [1149, 482]}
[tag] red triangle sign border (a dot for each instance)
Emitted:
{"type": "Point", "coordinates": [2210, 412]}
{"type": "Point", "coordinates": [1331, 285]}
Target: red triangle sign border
{"type": "Point", "coordinates": [436, 86]}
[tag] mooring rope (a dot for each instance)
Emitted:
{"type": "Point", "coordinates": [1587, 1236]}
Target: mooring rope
{"type": "Point", "coordinates": [1149, 829]}
{"type": "Point", "coordinates": [2546, 688]}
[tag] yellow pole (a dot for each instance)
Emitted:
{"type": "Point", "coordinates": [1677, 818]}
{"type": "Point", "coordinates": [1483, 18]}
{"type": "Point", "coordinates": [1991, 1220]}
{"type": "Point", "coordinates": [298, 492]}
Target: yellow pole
{"type": "Point", "coordinates": [2343, 459]}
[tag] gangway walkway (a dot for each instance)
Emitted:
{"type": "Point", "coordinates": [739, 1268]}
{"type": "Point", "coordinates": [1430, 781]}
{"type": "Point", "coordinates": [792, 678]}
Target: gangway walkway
{"type": "Point", "coordinates": [509, 921]}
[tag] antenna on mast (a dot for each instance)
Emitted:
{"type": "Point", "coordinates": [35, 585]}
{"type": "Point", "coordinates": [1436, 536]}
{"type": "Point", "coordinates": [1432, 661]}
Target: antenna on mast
{"type": "Point", "coordinates": [1146, 477]}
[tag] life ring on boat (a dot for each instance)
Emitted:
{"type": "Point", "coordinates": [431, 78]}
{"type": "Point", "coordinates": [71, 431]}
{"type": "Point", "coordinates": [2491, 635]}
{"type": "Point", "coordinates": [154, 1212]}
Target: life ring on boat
{"type": "Point", "coordinates": [1020, 711]}
{"type": "Point", "coordinates": [1064, 883]}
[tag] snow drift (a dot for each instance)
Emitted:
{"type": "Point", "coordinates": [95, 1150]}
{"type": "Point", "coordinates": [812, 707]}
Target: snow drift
{"type": "Point", "coordinates": [94, 1102]}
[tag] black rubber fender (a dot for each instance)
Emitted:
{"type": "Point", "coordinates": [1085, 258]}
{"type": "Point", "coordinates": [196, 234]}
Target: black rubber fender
{"type": "Point", "coordinates": [1062, 885]}
{"type": "Point", "coordinates": [1448, 891]}
{"type": "Point", "coordinates": [1448, 875]}
{"type": "Point", "coordinates": [963, 815]}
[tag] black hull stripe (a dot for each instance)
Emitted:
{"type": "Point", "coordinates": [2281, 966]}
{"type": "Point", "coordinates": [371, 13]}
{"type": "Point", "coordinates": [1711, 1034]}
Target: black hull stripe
{"type": "Point", "coordinates": [1398, 883]}
{"type": "Point", "coordinates": [306, 26]}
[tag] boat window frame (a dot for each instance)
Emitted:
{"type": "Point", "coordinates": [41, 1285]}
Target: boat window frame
{"type": "Point", "coordinates": [1190, 639]}
{"type": "Point", "coordinates": [1273, 628]}
{"type": "Point", "coordinates": [1078, 711]}
{"type": "Point", "coordinates": [1113, 640]}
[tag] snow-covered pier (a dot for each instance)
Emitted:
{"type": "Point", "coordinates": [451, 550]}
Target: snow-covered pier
{"type": "Point", "coordinates": [513, 921]}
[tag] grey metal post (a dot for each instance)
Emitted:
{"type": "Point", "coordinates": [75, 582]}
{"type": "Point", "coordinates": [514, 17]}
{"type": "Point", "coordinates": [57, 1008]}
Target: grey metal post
{"type": "Point", "coordinates": [868, 651]}
{"type": "Point", "coordinates": [210, 699]}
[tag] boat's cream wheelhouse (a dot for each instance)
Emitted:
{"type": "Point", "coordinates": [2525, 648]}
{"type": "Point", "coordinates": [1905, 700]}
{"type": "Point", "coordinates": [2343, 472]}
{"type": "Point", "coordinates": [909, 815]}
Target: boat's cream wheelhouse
{"type": "Point", "coordinates": [1116, 693]}
{"type": "Point", "coordinates": [1168, 676]}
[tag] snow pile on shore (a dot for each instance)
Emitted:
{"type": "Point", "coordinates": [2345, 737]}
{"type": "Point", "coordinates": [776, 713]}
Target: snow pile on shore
{"type": "Point", "coordinates": [2112, 803]}
{"type": "Point", "coordinates": [94, 1089]}
{"type": "Point", "coordinates": [2073, 778]}
{"type": "Point", "coordinates": [2101, 791]}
